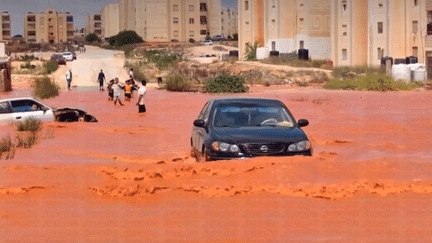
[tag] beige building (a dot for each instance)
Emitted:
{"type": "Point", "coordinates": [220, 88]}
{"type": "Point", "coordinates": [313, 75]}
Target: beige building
{"type": "Point", "coordinates": [286, 26]}
{"type": "Point", "coordinates": [229, 18]}
{"type": "Point", "coordinates": [48, 27]}
{"type": "Point", "coordinates": [163, 20]}
{"type": "Point", "coordinates": [94, 24]}
{"type": "Point", "coordinates": [110, 20]}
{"type": "Point", "coordinates": [5, 27]}
{"type": "Point", "coordinates": [364, 31]}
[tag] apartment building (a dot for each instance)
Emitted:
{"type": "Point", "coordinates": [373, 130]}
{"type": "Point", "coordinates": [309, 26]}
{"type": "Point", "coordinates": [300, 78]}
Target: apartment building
{"type": "Point", "coordinates": [110, 20]}
{"type": "Point", "coordinates": [94, 24]}
{"type": "Point", "coordinates": [364, 31]}
{"type": "Point", "coordinates": [286, 26]}
{"type": "Point", "coordinates": [5, 27]}
{"type": "Point", "coordinates": [229, 18]}
{"type": "Point", "coordinates": [49, 27]}
{"type": "Point", "coordinates": [164, 20]}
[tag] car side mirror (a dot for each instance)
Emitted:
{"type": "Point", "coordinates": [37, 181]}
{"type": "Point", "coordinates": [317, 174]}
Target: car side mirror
{"type": "Point", "coordinates": [303, 122]}
{"type": "Point", "coordinates": [199, 123]}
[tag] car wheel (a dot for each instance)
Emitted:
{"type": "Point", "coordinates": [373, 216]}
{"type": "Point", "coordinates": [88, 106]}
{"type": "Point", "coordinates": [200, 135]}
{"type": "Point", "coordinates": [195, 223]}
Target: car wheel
{"type": "Point", "coordinates": [203, 156]}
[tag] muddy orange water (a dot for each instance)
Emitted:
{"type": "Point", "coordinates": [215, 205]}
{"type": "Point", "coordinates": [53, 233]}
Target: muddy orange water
{"type": "Point", "coordinates": [130, 178]}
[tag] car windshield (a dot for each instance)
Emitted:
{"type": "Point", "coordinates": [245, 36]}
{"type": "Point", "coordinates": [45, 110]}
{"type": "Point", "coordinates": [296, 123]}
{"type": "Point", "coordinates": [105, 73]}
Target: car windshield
{"type": "Point", "coordinates": [239, 115]}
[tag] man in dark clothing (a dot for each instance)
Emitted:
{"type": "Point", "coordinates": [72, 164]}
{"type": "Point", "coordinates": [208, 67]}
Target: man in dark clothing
{"type": "Point", "coordinates": [101, 79]}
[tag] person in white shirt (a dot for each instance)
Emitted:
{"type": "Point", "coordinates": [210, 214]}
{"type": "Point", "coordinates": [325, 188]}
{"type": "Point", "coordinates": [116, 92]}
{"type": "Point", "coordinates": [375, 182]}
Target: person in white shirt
{"type": "Point", "coordinates": [117, 91]}
{"type": "Point", "coordinates": [69, 79]}
{"type": "Point", "coordinates": [141, 92]}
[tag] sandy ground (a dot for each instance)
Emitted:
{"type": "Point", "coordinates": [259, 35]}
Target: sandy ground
{"type": "Point", "coordinates": [130, 178]}
{"type": "Point", "coordinates": [197, 53]}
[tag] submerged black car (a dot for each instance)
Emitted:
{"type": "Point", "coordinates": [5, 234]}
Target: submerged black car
{"type": "Point", "coordinates": [247, 127]}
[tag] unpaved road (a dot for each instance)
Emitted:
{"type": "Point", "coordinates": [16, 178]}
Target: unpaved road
{"type": "Point", "coordinates": [129, 178]}
{"type": "Point", "coordinates": [86, 68]}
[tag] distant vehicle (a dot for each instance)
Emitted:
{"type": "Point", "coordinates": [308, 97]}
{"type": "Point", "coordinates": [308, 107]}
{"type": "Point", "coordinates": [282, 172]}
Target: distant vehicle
{"type": "Point", "coordinates": [19, 109]}
{"type": "Point", "coordinates": [58, 58]}
{"type": "Point", "coordinates": [74, 55]}
{"type": "Point", "coordinates": [217, 38]}
{"type": "Point", "coordinates": [247, 127]}
{"type": "Point", "coordinates": [68, 56]}
{"type": "Point", "coordinates": [207, 42]}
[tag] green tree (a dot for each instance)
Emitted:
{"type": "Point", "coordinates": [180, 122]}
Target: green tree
{"type": "Point", "coordinates": [124, 38]}
{"type": "Point", "coordinates": [92, 37]}
{"type": "Point", "coordinates": [251, 51]}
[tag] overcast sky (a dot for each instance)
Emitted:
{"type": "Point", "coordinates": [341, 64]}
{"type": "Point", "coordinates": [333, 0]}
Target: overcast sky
{"type": "Point", "coordinates": [78, 8]}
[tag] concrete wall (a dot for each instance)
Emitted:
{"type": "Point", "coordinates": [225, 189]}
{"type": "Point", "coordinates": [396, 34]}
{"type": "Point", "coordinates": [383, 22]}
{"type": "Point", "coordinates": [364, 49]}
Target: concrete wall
{"type": "Point", "coordinates": [110, 20]}
{"type": "Point", "coordinates": [5, 76]}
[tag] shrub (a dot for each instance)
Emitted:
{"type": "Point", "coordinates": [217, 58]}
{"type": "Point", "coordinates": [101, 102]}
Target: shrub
{"type": "Point", "coordinates": [127, 49]}
{"type": "Point", "coordinates": [318, 63]}
{"type": "Point", "coordinates": [371, 82]}
{"type": "Point", "coordinates": [226, 83]}
{"type": "Point", "coordinates": [344, 71]}
{"type": "Point", "coordinates": [92, 37]}
{"type": "Point", "coordinates": [161, 59]}
{"type": "Point", "coordinates": [177, 82]}
{"type": "Point", "coordinates": [7, 148]}
{"type": "Point", "coordinates": [30, 124]}
{"type": "Point", "coordinates": [235, 36]}
{"type": "Point", "coordinates": [49, 67]}
{"type": "Point", "coordinates": [251, 51]}
{"type": "Point", "coordinates": [45, 88]}
{"type": "Point", "coordinates": [27, 139]}
{"type": "Point", "coordinates": [124, 38]}
{"type": "Point", "coordinates": [192, 40]}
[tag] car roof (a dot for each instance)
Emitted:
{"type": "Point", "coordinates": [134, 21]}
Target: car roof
{"type": "Point", "coordinates": [20, 98]}
{"type": "Point", "coordinates": [244, 100]}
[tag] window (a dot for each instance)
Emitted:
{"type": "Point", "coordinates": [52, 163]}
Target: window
{"type": "Point", "coordinates": [429, 22]}
{"type": "Point", "coordinates": [344, 5]}
{"type": "Point", "coordinates": [344, 54]}
{"type": "Point", "coordinates": [97, 17]}
{"type": "Point", "coordinates": [25, 106]}
{"type": "Point", "coordinates": [273, 45]}
{"type": "Point", "coordinates": [203, 7]}
{"type": "Point", "coordinates": [415, 51]}
{"type": "Point", "coordinates": [191, 34]}
{"type": "Point", "coordinates": [415, 2]}
{"type": "Point", "coordinates": [380, 27]}
{"type": "Point", "coordinates": [203, 20]}
{"type": "Point", "coordinates": [175, 8]}
{"type": "Point", "coordinates": [4, 107]}
{"type": "Point", "coordinates": [344, 34]}
{"type": "Point", "coordinates": [380, 52]}
{"type": "Point", "coordinates": [191, 8]}
{"type": "Point", "coordinates": [246, 5]}
{"type": "Point", "coordinates": [31, 18]}
{"type": "Point", "coordinates": [301, 44]}
{"type": "Point", "coordinates": [415, 26]}
{"type": "Point", "coordinates": [175, 34]}
{"type": "Point", "coordinates": [203, 32]}
{"type": "Point", "coordinates": [31, 33]}
{"type": "Point", "coordinates": [175, 21]}
{"type": "Point", "coordinates": [191, 21]}
{"type": "Point", "coordinates": [69, 19]}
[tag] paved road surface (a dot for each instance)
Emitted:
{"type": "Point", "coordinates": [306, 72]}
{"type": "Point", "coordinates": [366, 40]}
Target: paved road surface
{"type": "Point", "coordinates": [86, 68]}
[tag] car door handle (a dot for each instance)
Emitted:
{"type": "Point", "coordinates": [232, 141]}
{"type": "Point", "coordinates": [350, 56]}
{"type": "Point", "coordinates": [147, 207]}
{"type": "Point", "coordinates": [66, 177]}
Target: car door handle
{"type": "Point", "coordinates": [18, 117]}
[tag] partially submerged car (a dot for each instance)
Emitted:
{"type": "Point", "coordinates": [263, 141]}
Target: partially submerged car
{"type": "Point", "coordinates": [247, 127]}
{"type": "Point", "coordinates": [19, 109]}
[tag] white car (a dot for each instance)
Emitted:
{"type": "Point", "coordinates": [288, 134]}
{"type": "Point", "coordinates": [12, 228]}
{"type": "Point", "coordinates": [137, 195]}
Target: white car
{"type": "Point", "coordinates": [19, 109]}
{"type": "Point", "coordinates": [207, 42]}
{"type": "Point", "coordinates": [68, 56]}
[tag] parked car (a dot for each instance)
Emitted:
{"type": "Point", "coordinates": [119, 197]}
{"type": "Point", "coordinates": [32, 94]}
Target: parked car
{"type": "Point", "coordinates": [217, 38]}
{"type": "Point", "coordinates": [58, 58]}
{"type": "Point", "coordinates": [19, 109]}
{"type": "Point", "coordinates": [207, 42]}
{"type": "Point", "coordinates": [247, 127]}
{"type": "Point", "coordinates": [74, 55]}
{"type": "Point", "coordinates": [68, 56]}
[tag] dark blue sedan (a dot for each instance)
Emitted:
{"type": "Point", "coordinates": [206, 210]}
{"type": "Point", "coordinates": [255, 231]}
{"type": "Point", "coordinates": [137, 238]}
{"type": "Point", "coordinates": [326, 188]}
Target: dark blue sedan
{"type": "Point", "coordinates": [247, 127]}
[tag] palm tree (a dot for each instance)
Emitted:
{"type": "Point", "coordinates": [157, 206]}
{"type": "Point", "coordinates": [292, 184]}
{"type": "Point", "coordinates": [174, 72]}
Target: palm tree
{"type": "Point", "coordinates": [251, 51]}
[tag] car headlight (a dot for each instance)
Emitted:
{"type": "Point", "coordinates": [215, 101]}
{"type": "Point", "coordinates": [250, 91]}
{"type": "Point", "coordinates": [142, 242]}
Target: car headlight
{"type": "Point", "coordinates": [300, 146]}
{"type": "Point", "coordinates": [225, 147]}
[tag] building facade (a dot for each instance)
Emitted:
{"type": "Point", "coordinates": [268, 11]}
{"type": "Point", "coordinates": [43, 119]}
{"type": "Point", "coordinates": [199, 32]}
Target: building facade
{"type": "Point", "coordinates": [286, 26]}
{"type": "Point", "coordinates": [49, 27]}
{"type": "Point", "coordinates": [5, 27]}
{"type": "Point", "coordinates": [163, 20]}
{"type": "Point", "coordinates": [229, 18]}
{"type": "Point", "coordinates": [94, 24]}
{"type": "Point", "coordinates": [110, 20]}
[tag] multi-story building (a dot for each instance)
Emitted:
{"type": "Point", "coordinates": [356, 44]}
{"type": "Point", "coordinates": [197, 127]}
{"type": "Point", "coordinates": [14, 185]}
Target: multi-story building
{"type": "Point", "coordinates": [164, 20]}
{"type": "Point", "coordinates": [286, 26]}
{"type": "Point", "coordinates": [5, 27]}
{"type": "Point", "coordinates": [94, 24]}
{"type": "Point", "coordinates": [364, 31]}
{"type": "Point", "coordinates": [48, 27]}
{"type": "Point", "coordinates": [110, 20]}
{"type": "Point", "coordinates": [229, 22]}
